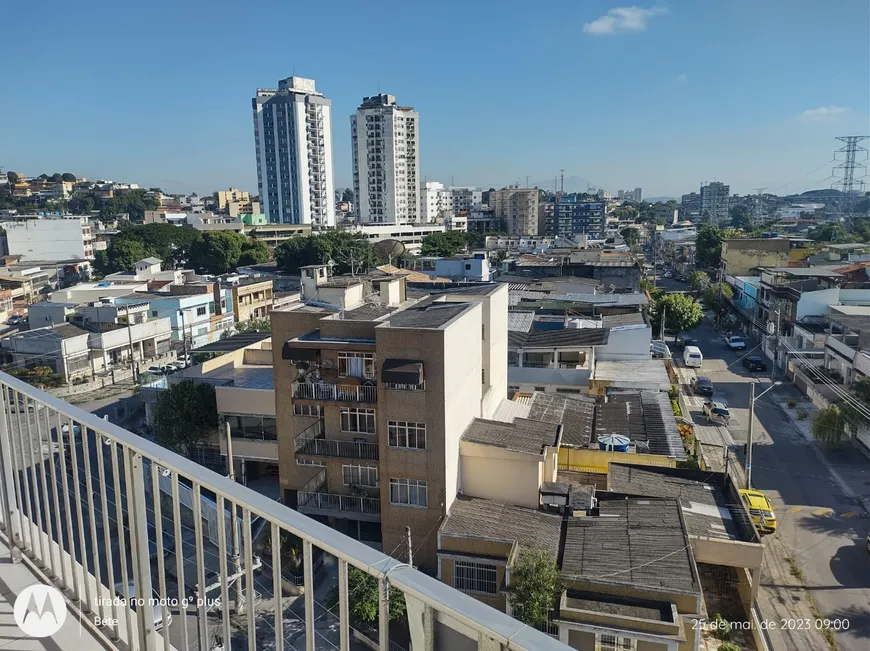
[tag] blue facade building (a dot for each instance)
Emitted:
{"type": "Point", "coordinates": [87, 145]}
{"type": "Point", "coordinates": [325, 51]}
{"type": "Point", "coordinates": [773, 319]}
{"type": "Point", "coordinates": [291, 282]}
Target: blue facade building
{"type": "Point", "coordinates": [575, 213]}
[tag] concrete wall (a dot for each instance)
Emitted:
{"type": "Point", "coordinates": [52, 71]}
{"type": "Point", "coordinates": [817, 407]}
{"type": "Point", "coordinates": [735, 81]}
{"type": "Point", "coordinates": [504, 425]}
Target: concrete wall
{"type": "Point", "coordinates": [501, 475]}
{"type": "Point", "coordinates": [741, 255]}
{"type": "Point", "coordinates": [817, 302]}
{"type": "Point", "coordinates": [235, 400]}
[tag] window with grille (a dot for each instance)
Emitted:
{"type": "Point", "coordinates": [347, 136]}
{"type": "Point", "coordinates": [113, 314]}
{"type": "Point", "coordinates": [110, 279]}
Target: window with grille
{"type": "Point", "coordinates": [359, 475]}
{"type": "Point", "coordinates": [408, 492]}
{"type": "Point", "coordinates": [360, 365]}
{"type": "Point", "coordinates": [608, 642]}
{"type": "Point", "coordinates": [307, 410]}
{"type": "Point", "coordinates": [404, 434]}
{"type": "Point", "coordinates": [200, 311]}
{"type": "Point", "coordinates": [358, 421]}
{"type": "Point", "coordinates": [474, 577]}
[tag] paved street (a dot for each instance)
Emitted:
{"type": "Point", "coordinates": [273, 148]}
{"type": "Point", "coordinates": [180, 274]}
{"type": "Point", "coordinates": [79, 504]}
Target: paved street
{"type": "Point", "coordinates": [822, 525]}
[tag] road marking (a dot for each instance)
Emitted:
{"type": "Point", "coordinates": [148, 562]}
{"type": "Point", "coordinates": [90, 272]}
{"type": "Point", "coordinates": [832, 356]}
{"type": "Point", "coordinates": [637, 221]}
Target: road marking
{"type": "Point", "coordinates": [824, 511]}
{"type": "Point", "coordinates": [795, 509]}
{"type": "Point", "coordinates": [850, 514]}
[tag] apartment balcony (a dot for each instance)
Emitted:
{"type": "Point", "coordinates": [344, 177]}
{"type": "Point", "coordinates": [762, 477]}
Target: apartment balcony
{"type": "Point", "coordinates": [335, 392]}
{"type": "Point", "coordinates": [91, 506]}
{"type": "Point", "coordinates": [312, 441]}
{"type": "Point", "coordinates": [355, 507]}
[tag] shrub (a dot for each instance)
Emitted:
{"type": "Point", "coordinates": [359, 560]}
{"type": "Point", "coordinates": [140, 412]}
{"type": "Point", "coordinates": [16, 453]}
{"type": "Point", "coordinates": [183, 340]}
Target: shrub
{"type": "Point", "coordinates": [674, 392]}
{"type": "Point", "coordinates": [792, 404]}
{"type": "Point", "coordinates": [676, 407]}
{"type": "Point", "coordinates": [720, 628]}
{"type": "Point", "coordinates": [802, 414]}
{"type": "Point", "coordinates": [728, 646]}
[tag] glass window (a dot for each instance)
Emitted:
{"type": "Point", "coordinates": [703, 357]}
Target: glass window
{"type": "Point", "coordinates": [354, 420]}
{"type": "Point", "coordinates": [360, 475]}
{"type": "Point", "coordinates": [360, 365]}
{"type": "Point", "coordinates": [408, 492]}
{"type": "Point", "coordinates": [405, 434]}
{"type": "Point", "coordinates": [200, 311]}
{"type": "Point", "coordinates": [307, 410]}
{"type": "Point", "coordinates": [608, 642]}
{"type": "Point", "coordinates": [309, 462]}
{"type": "Point", "coordinates": [474, 577]}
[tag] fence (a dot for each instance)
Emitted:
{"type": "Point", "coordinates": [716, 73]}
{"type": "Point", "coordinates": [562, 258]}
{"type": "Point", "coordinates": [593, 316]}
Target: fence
{"type": "Point", "coordinates": [76, 503]}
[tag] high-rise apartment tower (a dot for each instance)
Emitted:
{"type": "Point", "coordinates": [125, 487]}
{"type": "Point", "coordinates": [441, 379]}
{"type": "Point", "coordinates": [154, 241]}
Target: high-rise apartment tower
{"type": "Point", "coordinates": [386, 161]}
{"type": "Point", "coordinates": [293, 134]}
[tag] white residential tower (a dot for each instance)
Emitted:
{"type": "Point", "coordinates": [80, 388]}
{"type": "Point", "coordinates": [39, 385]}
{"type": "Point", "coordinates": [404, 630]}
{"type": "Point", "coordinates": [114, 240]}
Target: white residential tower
{"type": "Point", "coordinates": [386, 161]}
{"type": "Point", "coordinates": [293, 134]}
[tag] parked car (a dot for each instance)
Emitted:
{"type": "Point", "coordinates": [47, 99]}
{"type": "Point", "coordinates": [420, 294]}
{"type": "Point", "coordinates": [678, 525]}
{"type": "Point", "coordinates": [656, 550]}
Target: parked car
{"type": "Point", "coordinates": [682, 278]}
{"type": "Point", "coordinates": [760, 510]}
{"type": "Point", "coordinates": [717, 412]}
{"type": "Point", "coordinates": [659, 349]}
{"type": "Point", "coordinates": [668, 274]}
{"type": "Point", "coordinates": [684, 340]}
{"type": "Point", "coordinates": [755, 363]}
{"type": "Point", "coordinates": [735, 342]}
{"type": "Point", "coordinates": [703, 386]}
{"type": "Point", "coordinates": [13, 320]}
{"type": "Point", "coordinates": [130, 593]}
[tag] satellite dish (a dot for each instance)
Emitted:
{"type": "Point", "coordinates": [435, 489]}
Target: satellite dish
{"type": "Point", "coordinates": [389, 249]}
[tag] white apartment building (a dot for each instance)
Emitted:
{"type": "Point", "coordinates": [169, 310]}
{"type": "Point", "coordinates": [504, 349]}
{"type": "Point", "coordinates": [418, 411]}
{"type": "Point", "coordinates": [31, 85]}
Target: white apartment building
{"type": "Point", "coordinates": [435, 201]}
{"type": "Point", "coordinates": [715, 201]}
{"type": "Point", "coordinates": [631, 195]}
{"type": "Point", "coordinates": [50, 238]}
{"type": "Point", "coordinates": [293, 135]}
{"type": "Point", "coordinates": [386, 161]}
{"type": "Point", "coordinates": [465, 198]}
{"type": "Point", "coordinates": [517, 208]}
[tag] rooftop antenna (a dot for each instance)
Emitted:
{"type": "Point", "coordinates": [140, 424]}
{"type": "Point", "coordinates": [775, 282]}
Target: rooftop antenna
{"type": "Point", "coordinates": [527, 180]}
{"type": "Point", "coordinates": [562, 186]}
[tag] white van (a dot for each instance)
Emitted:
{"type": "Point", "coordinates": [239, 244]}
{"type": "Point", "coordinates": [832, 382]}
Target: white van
{"type": "Point", "coordinates": [692, 356]}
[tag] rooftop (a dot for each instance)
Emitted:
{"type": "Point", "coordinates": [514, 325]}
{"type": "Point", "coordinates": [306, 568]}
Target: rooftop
{"type": "Point", "coordinates": [574, 412]}
{"type": "Point", "coordinates": [647, 371]}
{"type": "Point", "coordinates": [235, 342]}
{"type": "Point", "coordinates": [658, 611]}
{"type": "Point", "coordinates": [803, 272]}
{"type": "Point", "coordinates": [617, 320]}
{"type": "Point", "coordinates": [520, 321]}
{"type": "Point", "coordinates": [639, 542]}
{"type": "Point", "coordinates": [564, 338]}
{"type": "Point", "coordinates": [246, 376]}
{"type": "Point", "coordinates": [518, 296]}
{"type": "Point", "coordinates": [56, 333]}
{"type": "Point", "coordinates": [645, 417]}
{"type": "Point", "coordinates": [473, 517]}
{"type": "Point", "coordinates": [706, 508]}
{"type": "Point", "coordinates": [854, 322]}
{"type": "Point", "coordinates": [522, 435]}
{"type": "Point", "coordinates": [431, 315]}
{"type": "Point", "coordinates": [367, 312]}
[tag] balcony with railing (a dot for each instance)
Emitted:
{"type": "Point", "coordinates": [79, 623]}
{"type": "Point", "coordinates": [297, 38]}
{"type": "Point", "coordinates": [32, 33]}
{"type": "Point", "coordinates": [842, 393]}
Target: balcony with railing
{"type": "Point", "coordinates": [312, 441]}
{"type": "Point", "coordinates": [335, 392]}
{"type": "Point", "coordinates": [86, 506]}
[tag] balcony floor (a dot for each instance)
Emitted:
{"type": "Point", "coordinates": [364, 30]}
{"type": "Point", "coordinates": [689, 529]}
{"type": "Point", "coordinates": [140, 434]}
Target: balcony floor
{"type": "Point", "coordinates": [14, 577]}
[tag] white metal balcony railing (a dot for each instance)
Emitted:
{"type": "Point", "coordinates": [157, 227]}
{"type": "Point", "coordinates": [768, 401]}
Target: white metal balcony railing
{"type": "Point", "coordinates": [90, 506]}
{"type": "Point", "coordinates": [337, 392]}
{"type": "Point", "coordinates": [335, 502]}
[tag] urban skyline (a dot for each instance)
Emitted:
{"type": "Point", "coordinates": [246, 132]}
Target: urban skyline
{"type": "Point", "coordinates": [472, 135]}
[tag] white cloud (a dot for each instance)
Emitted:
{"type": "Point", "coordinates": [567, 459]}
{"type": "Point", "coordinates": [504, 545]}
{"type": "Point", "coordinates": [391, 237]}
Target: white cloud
{"type": "Point", "coordinates": [622, 19]}
{"type": "Point", "coordinates": [682, 78]}
{"type": "Point", "coordinates": [823, 114]}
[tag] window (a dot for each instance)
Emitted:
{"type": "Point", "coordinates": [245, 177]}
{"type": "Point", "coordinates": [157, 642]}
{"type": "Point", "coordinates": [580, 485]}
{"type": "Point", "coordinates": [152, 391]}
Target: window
{"type": "Point", "coordinates": [356, 365]}
{"type": "Point", "coordinates": [309, 462]}
{"type": "Point", "coordinates": [307, 410]}
{"type": "Point", "coordinates": [200, 311]}
{"type": "Point", "coordinates": [474, 577]}
{"type": "Point", "coordinates": [408, 492]}
{"type": "Point", "coordinates": [358, 420]}
{"type": "Point", "coordinates": [154, 313]}
{"type": "Point", "coordinates": [569, 391]}
{"type": "Point", "coordinates": [541, 389]}
{"type": "Point", "coordinates": [483, 376]}
{"type": "Point", "coordinates": [404, 434]}
{"type": "Point", "coordinates": [360, 475]}
{"type": "Point", "coordinates": [483, 331]}
{"type": "Point", "coordinates": [608, 642]}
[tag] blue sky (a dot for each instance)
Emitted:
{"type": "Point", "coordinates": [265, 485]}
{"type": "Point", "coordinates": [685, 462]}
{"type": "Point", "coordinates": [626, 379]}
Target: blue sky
{"type": "Point", "coordinates": [662, 96]}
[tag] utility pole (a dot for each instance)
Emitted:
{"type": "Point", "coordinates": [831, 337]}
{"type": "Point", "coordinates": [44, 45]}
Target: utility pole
{"type": "Point", "coordinates": [749, 435]}
{"type": "Point", "coordinates": [231, 470]}
{"type": "Point", "coordinates": [719, 302]}
{"type": "Point", "coordinates": [775, 347]}
{"type": "Point", "coordinates": [662, 328]}
{"type": "Point", "coordinates": [184, 337]}
{"type": "Point", "coordinates": [130, 342]}
{"type": "Point", "coordinates": [410, 547]}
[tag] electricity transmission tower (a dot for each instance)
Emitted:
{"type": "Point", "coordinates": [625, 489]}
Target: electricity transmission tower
{"type": "Point", "coordinates": [851, 184]}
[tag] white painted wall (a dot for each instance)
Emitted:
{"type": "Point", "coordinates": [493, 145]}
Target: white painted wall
{"type": "Point", "coordinates": [817, 302]}
{"type": "Point", "coordinates": [501, 475]}
{"type": "Point", "coordinates": [626, 343]}
{"type": "Point", "coordinates": [49, 239]}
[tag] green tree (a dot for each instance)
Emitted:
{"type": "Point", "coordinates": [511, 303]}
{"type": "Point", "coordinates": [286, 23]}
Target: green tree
{"type": "Point", "coordinates": [534, 587]}
{"type": "Point", "coordinates": [254, 325]}
{"type": "Point", "coordinates": [57, 177]}
{"type": "Point", "coordinates": [366, 599]}
{"type": "Point", "coordinates": [186, 415]}
{"type": "Point", "coordinates": [444, 244]}
{"type": "Point", "coordinates": [682, 312]}
{"type": "Point", "coordinates": [12, 177]}
{"type": "Point", "coordinates": [708, 247]}
{"type": "Point", "coordinates": [217, 252]}
{"type": "Point", "coordinates": [82, 205]}
{"type": "Point", "coordinates": [347, 195]}
{"type": "Point", "coordinates": [254, 252]}
{"type": "Point", "coordinates": [699, 281]}
{"type": "Point", "coordinates": [69, 178]}
{"type": "Point", "coordinates": [741, 217]}
{"type": "Point", "coordinates": [712, 293]}
{"type": "Point", "coordinates": [832, 232]}
{"type": "Point", "coordinates": [347, 251]}
{"type": "Point", "coordinates": [121, 256]}
{"type": "Point", "coordinates": [631, 236]}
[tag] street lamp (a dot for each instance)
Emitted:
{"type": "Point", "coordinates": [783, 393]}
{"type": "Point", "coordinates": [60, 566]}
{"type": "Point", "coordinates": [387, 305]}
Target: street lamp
{"type": "Point", "coordinates": [752, 399]}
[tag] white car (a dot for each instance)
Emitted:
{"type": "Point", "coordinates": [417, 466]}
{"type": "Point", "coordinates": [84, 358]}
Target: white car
{"type": "Point", "coordinates": [735, 342]}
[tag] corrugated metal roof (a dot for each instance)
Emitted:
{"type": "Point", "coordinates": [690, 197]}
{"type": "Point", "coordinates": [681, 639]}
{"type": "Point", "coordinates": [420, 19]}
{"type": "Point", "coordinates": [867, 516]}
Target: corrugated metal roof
{"type": "Point", "coordinates": [520, 321]}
